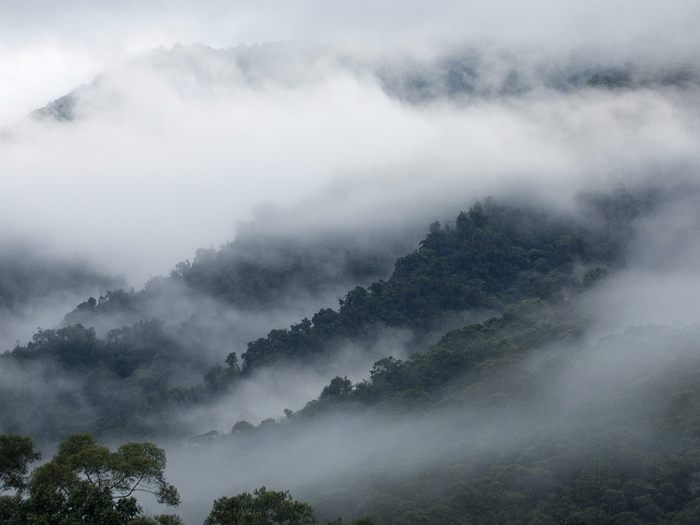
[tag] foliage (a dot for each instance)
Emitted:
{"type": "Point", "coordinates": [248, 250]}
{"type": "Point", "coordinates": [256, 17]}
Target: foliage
{"type": "Point", "coordinates": [16, 453]}
{"type": "Point", "coordinates": [493, 256]}
{"type": "Point", "coordinates": [87, 483]}
{"type": "Point", "coordinates": [470, 354]}
{"type": "Point", "coordinates": [631, 466]}
{"type": "Point", "coordinates": [262, 507]}
{"type": "Point", "coordinates": [130, 373]}
{"type": "Point", "coordinates": [629, 453]}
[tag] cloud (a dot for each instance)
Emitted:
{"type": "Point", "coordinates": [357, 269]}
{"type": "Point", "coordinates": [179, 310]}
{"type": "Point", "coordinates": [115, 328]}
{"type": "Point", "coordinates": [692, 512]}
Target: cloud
{"type": "Point", "coordinates": [374, 117]}
{"type": "Point", "coordinates": [166, 153]}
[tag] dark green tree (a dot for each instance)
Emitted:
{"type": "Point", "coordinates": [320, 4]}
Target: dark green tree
{"type": "Point", "coordinates": [16, 453]}
{"type": "Point", "coordinates": [262, 507]}
{"type": "Point", "coordinates": [83, 483]}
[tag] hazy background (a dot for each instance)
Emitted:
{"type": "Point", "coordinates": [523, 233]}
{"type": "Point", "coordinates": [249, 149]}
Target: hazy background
{"type": "Point", "coordinates": [170, 148]}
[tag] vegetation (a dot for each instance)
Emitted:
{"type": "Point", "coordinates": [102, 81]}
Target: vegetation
{"type": "Point", "coordinates": [262, 507]}
{"type": "Point", "coordinates": [626, 452]}
{"type": "Point", "coordinates": [492, 257]}
{"type": "Point", "coordinates": [132, 372]}
{"type": "Point", "coordinates": [83, 483]}
{"type": "Point", "coordinates": [253, 273]}
{"type": "Point", "coordinates": [471, 355]}
{"type": "Point", "coordinates": [87, 483]}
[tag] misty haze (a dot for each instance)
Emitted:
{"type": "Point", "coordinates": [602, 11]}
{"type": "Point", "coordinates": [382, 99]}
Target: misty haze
{"type": "Point", "coordinates": [361, 263]}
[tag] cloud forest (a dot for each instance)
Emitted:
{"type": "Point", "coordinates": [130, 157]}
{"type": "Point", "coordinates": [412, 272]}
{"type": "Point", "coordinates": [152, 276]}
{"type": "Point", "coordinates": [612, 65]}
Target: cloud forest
{"type": "Point", "coordinates": [369, 263]}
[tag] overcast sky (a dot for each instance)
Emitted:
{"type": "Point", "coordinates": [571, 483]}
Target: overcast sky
{"type": "Point", "coordinates": [48, 47]}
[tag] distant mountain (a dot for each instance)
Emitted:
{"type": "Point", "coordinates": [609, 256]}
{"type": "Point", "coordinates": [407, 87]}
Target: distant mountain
{"type": "Point", "coordinates": [461, 75]}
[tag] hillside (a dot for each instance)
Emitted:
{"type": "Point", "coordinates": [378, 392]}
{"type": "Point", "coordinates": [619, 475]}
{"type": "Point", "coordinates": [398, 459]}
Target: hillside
{"type": "Point", "coordinates": [492, 256]}
{"type": "Point", "coordinates": [567, 440]}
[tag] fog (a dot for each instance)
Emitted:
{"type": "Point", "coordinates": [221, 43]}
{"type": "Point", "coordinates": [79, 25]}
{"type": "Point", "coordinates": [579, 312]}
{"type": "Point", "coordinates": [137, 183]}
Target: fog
{"type": "Point", "coordinates": [320, 140]}
{"type": "Point", "coordinates": [170, 148]}
{"type": "Point", "coordinates": [640, 344]}
{"type": "Point", "coordinates": [37, 289]}
{"type": "Point", "coordinates": [156, 175]}
{"type": "Point", "coordinates": [336, 461]}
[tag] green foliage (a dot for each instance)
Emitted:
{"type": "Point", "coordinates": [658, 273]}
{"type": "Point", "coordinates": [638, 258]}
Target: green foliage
{"type": "Point", "coordinates": [470, 354]}
{"type": "Point", "coordinates": [87, 483]}
{"type": "Point", "coordinates": [626, 454]}
{"type": "Point", "coordinates": [339, 388]}
{"type": "Point", "coordinates": [16, 453]}
{"type": "Point", "coordinates": [516, 261]}
{"type": "Point", "coordinates": [492, 257]}
{"type": "Point", "coordinates": [262, 507]}
{"type": "Point", "coordinates": [128, 375]}
{"type": "Point", "coordinates": [220, 378]}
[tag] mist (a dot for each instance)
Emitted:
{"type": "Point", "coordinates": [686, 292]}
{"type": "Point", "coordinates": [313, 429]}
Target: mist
{"type": "Point", "coordinates": [36, 290]}
{"type": "Point", "coordinates": [334, 461]}
{"type": "Point", "coordinates": [179, 182]}
{"type": "Point", "coordinates": [639, 344]}
{"type": "Point", "coordinates": [181, 143]}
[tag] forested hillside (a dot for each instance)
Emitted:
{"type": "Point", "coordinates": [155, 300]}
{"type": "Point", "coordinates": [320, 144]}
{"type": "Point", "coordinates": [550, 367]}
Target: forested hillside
{"type": "Point", "coordinates": [349, 263]}
{"type": "Point", "coordinates": [255, 271]}
{"type": "Point", "coordinates": [129, 380]}
{"type": "Point", "coordinates": [490, 257]}
{"type": "Point", "coordinates": [569, 441]}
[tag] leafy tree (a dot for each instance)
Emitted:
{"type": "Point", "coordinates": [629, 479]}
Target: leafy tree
{"type": "Point", "coordinates": [339, 388]}
{"type": "Point", "coordinates": [84, 482]}
{"type": "Point", "coordinates": [16, 453]}
{"type": "Point", "coordinates": [262, 507]}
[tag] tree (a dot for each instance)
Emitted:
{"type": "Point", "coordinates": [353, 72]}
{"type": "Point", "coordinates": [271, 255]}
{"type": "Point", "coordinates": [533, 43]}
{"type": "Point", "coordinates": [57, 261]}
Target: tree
{"type": "Point", "coordinates": [16, 453]}
{"type": "Point", "coordinates": [338, 388]}
{"type": "Point", "coordinates": [262, 507]}
{"type": "Point", "coordinates": [242, 427]}
{"type": "Point", "coordinates": [83, 483]}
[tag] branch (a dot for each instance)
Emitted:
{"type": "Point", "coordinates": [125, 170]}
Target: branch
{"type": "Point", "coordinates": [133, 488]}
{"type": "Point", "coordinates": [119, 482]}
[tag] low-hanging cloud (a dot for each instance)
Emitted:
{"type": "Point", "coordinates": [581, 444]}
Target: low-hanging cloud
{"type": "Point", "coordinates": [336, 129]}
{"type": "Point", "coordinates": [165, 154]}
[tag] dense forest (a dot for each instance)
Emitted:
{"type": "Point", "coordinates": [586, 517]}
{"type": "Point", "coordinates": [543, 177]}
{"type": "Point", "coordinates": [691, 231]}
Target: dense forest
{"type": "Point", "coordinates": [571, 456]}
{"type": "Point", "coordinates": [349, 263]}
{"type": "Point", "coordinates": [131, 377]}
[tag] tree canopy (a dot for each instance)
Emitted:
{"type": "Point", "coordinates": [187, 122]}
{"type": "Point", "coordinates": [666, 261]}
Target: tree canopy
{"type": "Point", "coordinates": [261, 507]}
{"type": "Point", "coordinates": [83, 483]}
